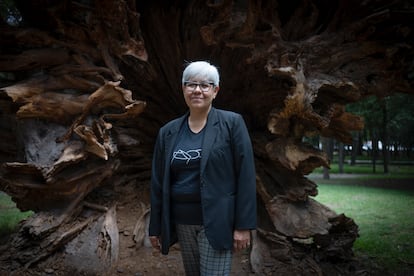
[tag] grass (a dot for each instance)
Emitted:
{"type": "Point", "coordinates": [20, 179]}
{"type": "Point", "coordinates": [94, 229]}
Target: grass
{"type": "Point", "coordinates": [385, 220]}
{"type": "Point", "coordinates": [10, 216]}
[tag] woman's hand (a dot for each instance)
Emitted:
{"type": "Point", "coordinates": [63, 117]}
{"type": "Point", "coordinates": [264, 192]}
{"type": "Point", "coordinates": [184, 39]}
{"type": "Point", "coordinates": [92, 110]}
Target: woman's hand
{"type": "Point", "coordinates": [241, 239]}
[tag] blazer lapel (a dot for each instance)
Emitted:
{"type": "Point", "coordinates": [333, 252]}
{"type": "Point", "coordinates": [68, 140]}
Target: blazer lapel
{"type": "Point", "coordinates": [209, 137]}
{"type": "Point", "coordinates": [171, 138]}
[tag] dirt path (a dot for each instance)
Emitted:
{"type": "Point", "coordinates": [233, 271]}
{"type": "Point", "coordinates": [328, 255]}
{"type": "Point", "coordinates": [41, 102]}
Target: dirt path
{"type": "Point", "coordinates": [144, 261]}
{"type": "Point", "coordinates": [406, 184]}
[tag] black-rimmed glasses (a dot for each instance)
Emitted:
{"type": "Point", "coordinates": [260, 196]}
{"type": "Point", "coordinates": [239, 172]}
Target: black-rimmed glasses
{"type": "Point", "coordinates": [204, 86]}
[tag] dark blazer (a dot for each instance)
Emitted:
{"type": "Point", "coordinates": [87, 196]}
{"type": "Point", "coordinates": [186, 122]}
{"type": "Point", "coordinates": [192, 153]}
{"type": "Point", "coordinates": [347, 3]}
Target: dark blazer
{"type": "Point", "coordinates": [227, 180]}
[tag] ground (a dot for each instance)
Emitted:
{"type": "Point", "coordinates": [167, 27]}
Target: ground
{"type": "Point", "coordinates": [145, 262]}
{"type": "Point", "coordinates": [141, 260]}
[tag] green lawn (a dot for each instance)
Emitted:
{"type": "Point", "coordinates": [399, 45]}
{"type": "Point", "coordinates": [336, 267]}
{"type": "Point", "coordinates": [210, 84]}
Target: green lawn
{"type": "Point", "coordinates": [385, 218]}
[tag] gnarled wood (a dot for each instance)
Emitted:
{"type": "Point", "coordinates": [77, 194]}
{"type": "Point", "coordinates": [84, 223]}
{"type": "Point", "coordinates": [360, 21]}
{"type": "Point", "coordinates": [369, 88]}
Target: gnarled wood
{"type": "Point", "coordinates": [85, 86]}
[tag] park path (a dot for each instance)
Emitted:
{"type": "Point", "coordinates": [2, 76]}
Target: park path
{"type": "Point", "coordinates": [369, 180]}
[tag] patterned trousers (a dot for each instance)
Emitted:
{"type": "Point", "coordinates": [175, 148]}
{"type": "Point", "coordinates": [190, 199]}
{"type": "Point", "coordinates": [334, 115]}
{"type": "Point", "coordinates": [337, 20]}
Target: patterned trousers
{"type": "Point", "coordinates": [199, 257]}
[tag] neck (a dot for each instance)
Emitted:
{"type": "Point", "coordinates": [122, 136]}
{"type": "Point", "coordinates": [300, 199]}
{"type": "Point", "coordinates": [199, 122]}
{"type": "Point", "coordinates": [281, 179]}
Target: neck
{"type": "Point", "coordinates": [198, 119]}
{"type": "Point", "coordinates": [198, 114]}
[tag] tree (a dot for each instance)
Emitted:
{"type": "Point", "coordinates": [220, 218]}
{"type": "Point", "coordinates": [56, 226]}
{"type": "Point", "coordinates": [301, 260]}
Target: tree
{"type": "Point", "coordinates": [370, 109]}
{"type": "Point", "coordinates": [388, 120]}
{"type": "Point", "coordinates": [86, 86]}
{"type": "Point", "coordinates": [341, 157]}
{"type": "Point", "coordinates": [400, 122]}
{"type": "Point", "coordinates": [326, 147]}
{"type": "Point", "coordinates": [385, 136]}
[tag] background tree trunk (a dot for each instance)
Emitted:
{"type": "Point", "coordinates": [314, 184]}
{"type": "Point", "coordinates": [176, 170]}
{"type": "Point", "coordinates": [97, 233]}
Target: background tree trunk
{"type": "Point", "coordinates": [385, 135]}
{"type": "Point", "coordinates": [341, 157]}
{"type": "Point", "coordinates": [356, 147]}
{"type": "Point", "coordinates": [326, 149]}
{"type": "Point", "coordinates": [374, 151]}
{"type": "Point", "coordinates": [85, 86]}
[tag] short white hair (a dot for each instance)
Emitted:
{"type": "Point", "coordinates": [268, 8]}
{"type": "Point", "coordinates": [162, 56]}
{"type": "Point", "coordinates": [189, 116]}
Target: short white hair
{"type": "Point", "coordinates": [201, 69]}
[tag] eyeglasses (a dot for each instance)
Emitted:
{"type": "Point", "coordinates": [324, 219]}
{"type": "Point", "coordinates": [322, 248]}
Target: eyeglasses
{"type": "Point", "coordinates": [204, 86]}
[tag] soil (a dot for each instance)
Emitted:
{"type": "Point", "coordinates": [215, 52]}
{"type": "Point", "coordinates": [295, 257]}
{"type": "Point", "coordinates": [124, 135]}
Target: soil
{"type": "Point", "coordinates": [143, 260]}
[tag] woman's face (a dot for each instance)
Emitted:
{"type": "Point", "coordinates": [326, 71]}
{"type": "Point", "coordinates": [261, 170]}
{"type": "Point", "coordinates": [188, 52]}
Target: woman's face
{"type": "Point", "coordinates": [199, 94]}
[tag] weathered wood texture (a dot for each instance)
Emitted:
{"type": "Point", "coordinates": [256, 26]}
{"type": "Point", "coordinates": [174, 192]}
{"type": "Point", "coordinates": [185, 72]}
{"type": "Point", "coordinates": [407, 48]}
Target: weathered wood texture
{"type": "Point", "coordinates": [85, 87]}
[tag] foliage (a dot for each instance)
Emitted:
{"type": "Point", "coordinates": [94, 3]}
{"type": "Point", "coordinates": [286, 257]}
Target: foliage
{"type": "Point", "coordinates": [384, 218]}
{"type": "Point", "coordinates": [369, 110]}
{"type": "Point", "coordinates": [399, 117]}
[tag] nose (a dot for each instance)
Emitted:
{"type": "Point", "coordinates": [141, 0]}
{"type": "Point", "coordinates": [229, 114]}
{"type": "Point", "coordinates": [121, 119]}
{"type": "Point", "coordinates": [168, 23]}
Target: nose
{"type": "Point", "coordinates": [197, 89]}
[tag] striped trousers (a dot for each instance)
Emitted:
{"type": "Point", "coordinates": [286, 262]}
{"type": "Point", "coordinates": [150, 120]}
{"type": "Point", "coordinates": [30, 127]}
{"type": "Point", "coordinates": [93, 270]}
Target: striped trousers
{"type": "Point", "coordinates": [199, 257]}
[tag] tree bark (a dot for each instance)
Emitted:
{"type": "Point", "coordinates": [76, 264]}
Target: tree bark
{"type": "Point", "coordinates": [326, 149]}
{"type": "Point", "coordinates": [385, 135]}
{"type": "Point", "coordinates": [356, 145]}
{"type": "Point", "coordinates": [341, 157]}
{"type": "Point", "coordinates": [85, 86]}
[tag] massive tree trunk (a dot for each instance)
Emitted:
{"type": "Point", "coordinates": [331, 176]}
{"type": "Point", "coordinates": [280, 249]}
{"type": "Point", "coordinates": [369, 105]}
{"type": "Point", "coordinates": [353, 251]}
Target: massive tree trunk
{"type": "Point", "coordinates": [86, 85]}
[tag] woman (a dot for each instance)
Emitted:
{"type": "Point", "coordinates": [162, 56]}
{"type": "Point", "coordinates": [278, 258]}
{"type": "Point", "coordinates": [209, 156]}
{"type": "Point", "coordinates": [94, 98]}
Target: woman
{"type": "Point", "coordinates": [203, 184]}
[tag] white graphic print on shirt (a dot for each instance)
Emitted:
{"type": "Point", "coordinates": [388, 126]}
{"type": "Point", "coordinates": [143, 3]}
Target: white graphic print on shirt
{"type": "Point", "coordinates": [189, 155]}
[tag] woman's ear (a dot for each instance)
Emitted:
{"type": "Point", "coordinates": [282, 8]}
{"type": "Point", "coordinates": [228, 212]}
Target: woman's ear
{"type": "Point", "coordinates": [216, 90]}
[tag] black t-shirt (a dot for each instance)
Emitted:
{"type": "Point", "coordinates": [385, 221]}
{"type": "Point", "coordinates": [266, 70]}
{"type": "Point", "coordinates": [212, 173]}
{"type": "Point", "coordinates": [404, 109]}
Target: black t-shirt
{"type": "Point", "coordinates": [185, 177]}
